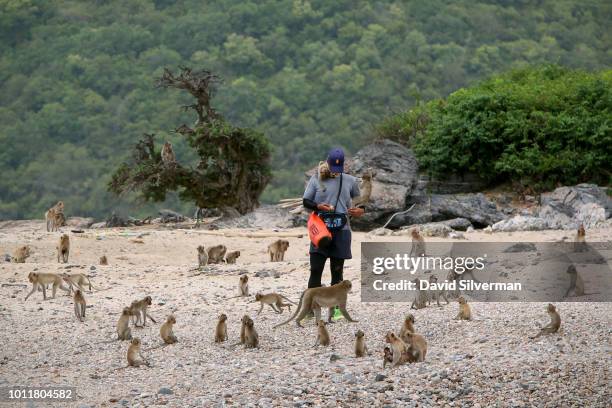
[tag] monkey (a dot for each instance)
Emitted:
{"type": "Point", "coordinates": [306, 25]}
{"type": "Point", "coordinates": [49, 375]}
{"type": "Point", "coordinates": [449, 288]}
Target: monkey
{"type": "Point", "coordinates": [398, 348]}
{"type": "Point", "coordinates": [555, 322]}
{"type": "Point", "coordinates": [79, 305]}
{"type": "Point", "coordinates": [78, 280]}
{"type": "Point", "coordinates": [420, 297]}
{"type": "Point", "coordinates": [434, 294]}
{"type": "Point", "coordinates": [165, 331]}
{"type": "Point", "coordinates": [216, 253]}
{"type": "Point", "coordinates": [63, 248]}
{"type": "Point", "coordinates": [41, 280]}
{"type": "Point", "coordinates": [274, 300]}
{"type": "Point", "coordinates": [123, 325]}
{"type": "Point", "coordinates": [365, 188]}
{"type": "Point", "coordinates": [315, 298]}
{"type": "Point", "coordinates": [416, 347]}
{"type": "Point", "coordinates": [202, 256]}
{"type": "Point", "coordinates": [277, 250]}
{"type": "Point", "coordinates": [21, 254]}
{"type": "Point", "coordinates": [407, 327]}
{"type": "Point", "coordinates": [51, 216]}
{"type": "Point", "coordinates": [580, 240]}
{"type": "Point", "coordinates": [576, 283]}
{"type": "Point", "coordinates": [167, 154]}
{"type": "Point", "coordinates": [361, 350]}
{"type": "Point", "coordinates": [322, 334]}
{"type": "Point", "coordinates": [243, 287]}
{"type": "Point", "coordinates": [465, 313]}
{"type": "Point", "coordinates": [251, 338]}
{"type": "Point", "coordinates": [59, 220]}
{"type": "Point", "coordinates": [387, 356]}
{"type": "Point", "coordinates": [323, 174]}
{"type": "Point", "coordinates": [103, 260]}
{"type": "Point", "coordinates": [221, 330]}
{"type": "Point", "coordinates": [134, 356]}
{"type": "Point", "coordinates": [418, 244]}
{"type": "Point", "coordinates": [139, 309]}
{"type": "Point", "coordinates": [452, 277]}
{"type": "Point", "coordinates": [231, 257]}
{"type": "Point", "coordinates": [243, 322]}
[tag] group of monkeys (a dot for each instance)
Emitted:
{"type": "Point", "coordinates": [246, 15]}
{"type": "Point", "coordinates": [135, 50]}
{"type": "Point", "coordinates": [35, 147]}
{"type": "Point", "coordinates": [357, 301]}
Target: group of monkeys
{"type": "Point", "coordinates": [218, 253]}
{"type": "Point", "coordinates": [408, 347]}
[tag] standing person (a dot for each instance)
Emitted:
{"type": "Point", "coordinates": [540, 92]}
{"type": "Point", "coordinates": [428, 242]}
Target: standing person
{"type": "Point", "coordinates": [332, 199]}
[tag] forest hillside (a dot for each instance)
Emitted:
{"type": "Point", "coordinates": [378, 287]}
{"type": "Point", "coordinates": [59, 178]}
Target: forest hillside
{"type": "Point", "coordinates": [77, 79]}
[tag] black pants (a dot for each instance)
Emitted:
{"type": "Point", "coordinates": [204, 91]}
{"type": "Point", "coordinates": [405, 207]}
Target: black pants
{"type": "Point", "coordinates": [317, 264]}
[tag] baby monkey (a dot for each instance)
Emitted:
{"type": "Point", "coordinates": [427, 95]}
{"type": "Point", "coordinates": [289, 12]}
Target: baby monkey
{"type": "Point", "coordinates": [221, 330]}
{"type": "Point", "coordinates": [322, 334]}
{"type": "Point", "coordinates": [166, 332]}
{"type": "Point", "coordinates": [202, 256]}
{"type": "Point", "coordinates": [555, 322]}
{"type": "Point", "coordinates": [251, 338]}
{"type": "Point", "coordinates": [361, 350]}
{"type": "Point", "coordinates": [231, 257]}
{"type": "Point", "coordinates": [134, 356]}
{"type": "Point", "coordinates": [274, 300]}
{"type": "Point", "coordinates": [465, 313]}
{"type": "Point", "coordinates": [243, 287]}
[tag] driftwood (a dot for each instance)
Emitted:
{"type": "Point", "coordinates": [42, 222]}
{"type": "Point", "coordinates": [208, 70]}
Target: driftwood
{"type": "Point", "coordinates": [253, 234]}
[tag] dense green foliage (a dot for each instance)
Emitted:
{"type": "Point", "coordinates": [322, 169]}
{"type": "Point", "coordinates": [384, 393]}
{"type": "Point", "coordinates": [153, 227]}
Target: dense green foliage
{"type": "Point", "coordinates": [533, 127]}
{"type": "Point", "coordinates": [76, 90]}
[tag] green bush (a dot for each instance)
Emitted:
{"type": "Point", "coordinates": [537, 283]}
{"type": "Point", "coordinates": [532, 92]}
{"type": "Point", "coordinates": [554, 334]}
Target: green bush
{"type": "Point", "coordinates": [537, 127]}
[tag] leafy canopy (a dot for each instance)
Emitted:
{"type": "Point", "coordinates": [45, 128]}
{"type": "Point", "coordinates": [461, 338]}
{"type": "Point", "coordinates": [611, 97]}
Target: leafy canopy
{"type": "Point", "coordinates": [534, 126]}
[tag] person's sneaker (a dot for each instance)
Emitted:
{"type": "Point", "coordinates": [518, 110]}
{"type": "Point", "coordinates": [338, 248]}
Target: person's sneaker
{"type": "Point", "coordinates": [337, 314]}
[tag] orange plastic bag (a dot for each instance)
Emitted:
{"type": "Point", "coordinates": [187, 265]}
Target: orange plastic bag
{"type": "Point", "coordinates": [317, 231]}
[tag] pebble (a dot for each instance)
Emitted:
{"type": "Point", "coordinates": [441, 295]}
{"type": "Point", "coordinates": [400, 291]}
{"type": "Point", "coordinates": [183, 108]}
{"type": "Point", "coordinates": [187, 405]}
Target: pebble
{"type": "Point", "coordinates": [165, 391]}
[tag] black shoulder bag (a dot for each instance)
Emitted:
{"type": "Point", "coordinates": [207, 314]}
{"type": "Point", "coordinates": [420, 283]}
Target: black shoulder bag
{"type": "Point", "coordinates": [334, 221]}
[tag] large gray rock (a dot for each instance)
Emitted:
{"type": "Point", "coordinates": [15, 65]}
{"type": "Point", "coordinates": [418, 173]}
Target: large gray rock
{"type": "Point", "coordinates": [396, 175]}
{"type": "Point", "coordinates": [568, 207]}
{"type": "Point", "coordinates": [266, 216]}
{"type": "Point", "coordinates": [79, 222]}
{"type": "Point", "coordinates": [476, 208]}
{"type": "Point", "coordinates": [569, 200]}
{"type": "Point", "coordinates": [521, 223]}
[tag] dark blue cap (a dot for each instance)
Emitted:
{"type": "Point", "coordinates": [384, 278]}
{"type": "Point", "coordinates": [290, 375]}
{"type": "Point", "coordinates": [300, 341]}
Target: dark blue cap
{"type": "Point", "coordinates": [335, 160]}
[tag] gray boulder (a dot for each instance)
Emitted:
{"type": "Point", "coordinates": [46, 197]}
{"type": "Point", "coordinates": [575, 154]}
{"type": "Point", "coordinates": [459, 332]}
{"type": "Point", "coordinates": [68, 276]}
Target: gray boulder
{"type": "Point", "coordinates": [520, 223]}
{"type": "Point", "coordinates": [475, 208]}
{"type": "Point", "coordinates": [569, 200]}
{"type": "Point", "coordinates": [568, 207]}
{"type": "Point", "coordinates": [79, 222]}
{"type": "Point", "coordinates": [170, 216]}
{"type": "Point", "coordinates": [396, 173]}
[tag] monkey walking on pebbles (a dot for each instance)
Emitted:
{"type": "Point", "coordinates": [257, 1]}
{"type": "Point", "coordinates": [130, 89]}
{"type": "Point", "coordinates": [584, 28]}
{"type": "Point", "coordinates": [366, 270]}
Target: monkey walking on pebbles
{"type": "Point", "coordinates": [41, 280]}
{"type": "Point", "coordinates": [274, 300]}
{"type": "Point", "coordinates": [63, 248]}
{"type": "Point", "coordinates": [313, 299]}
{"type": "Point", "coordinates": [79, 305]}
